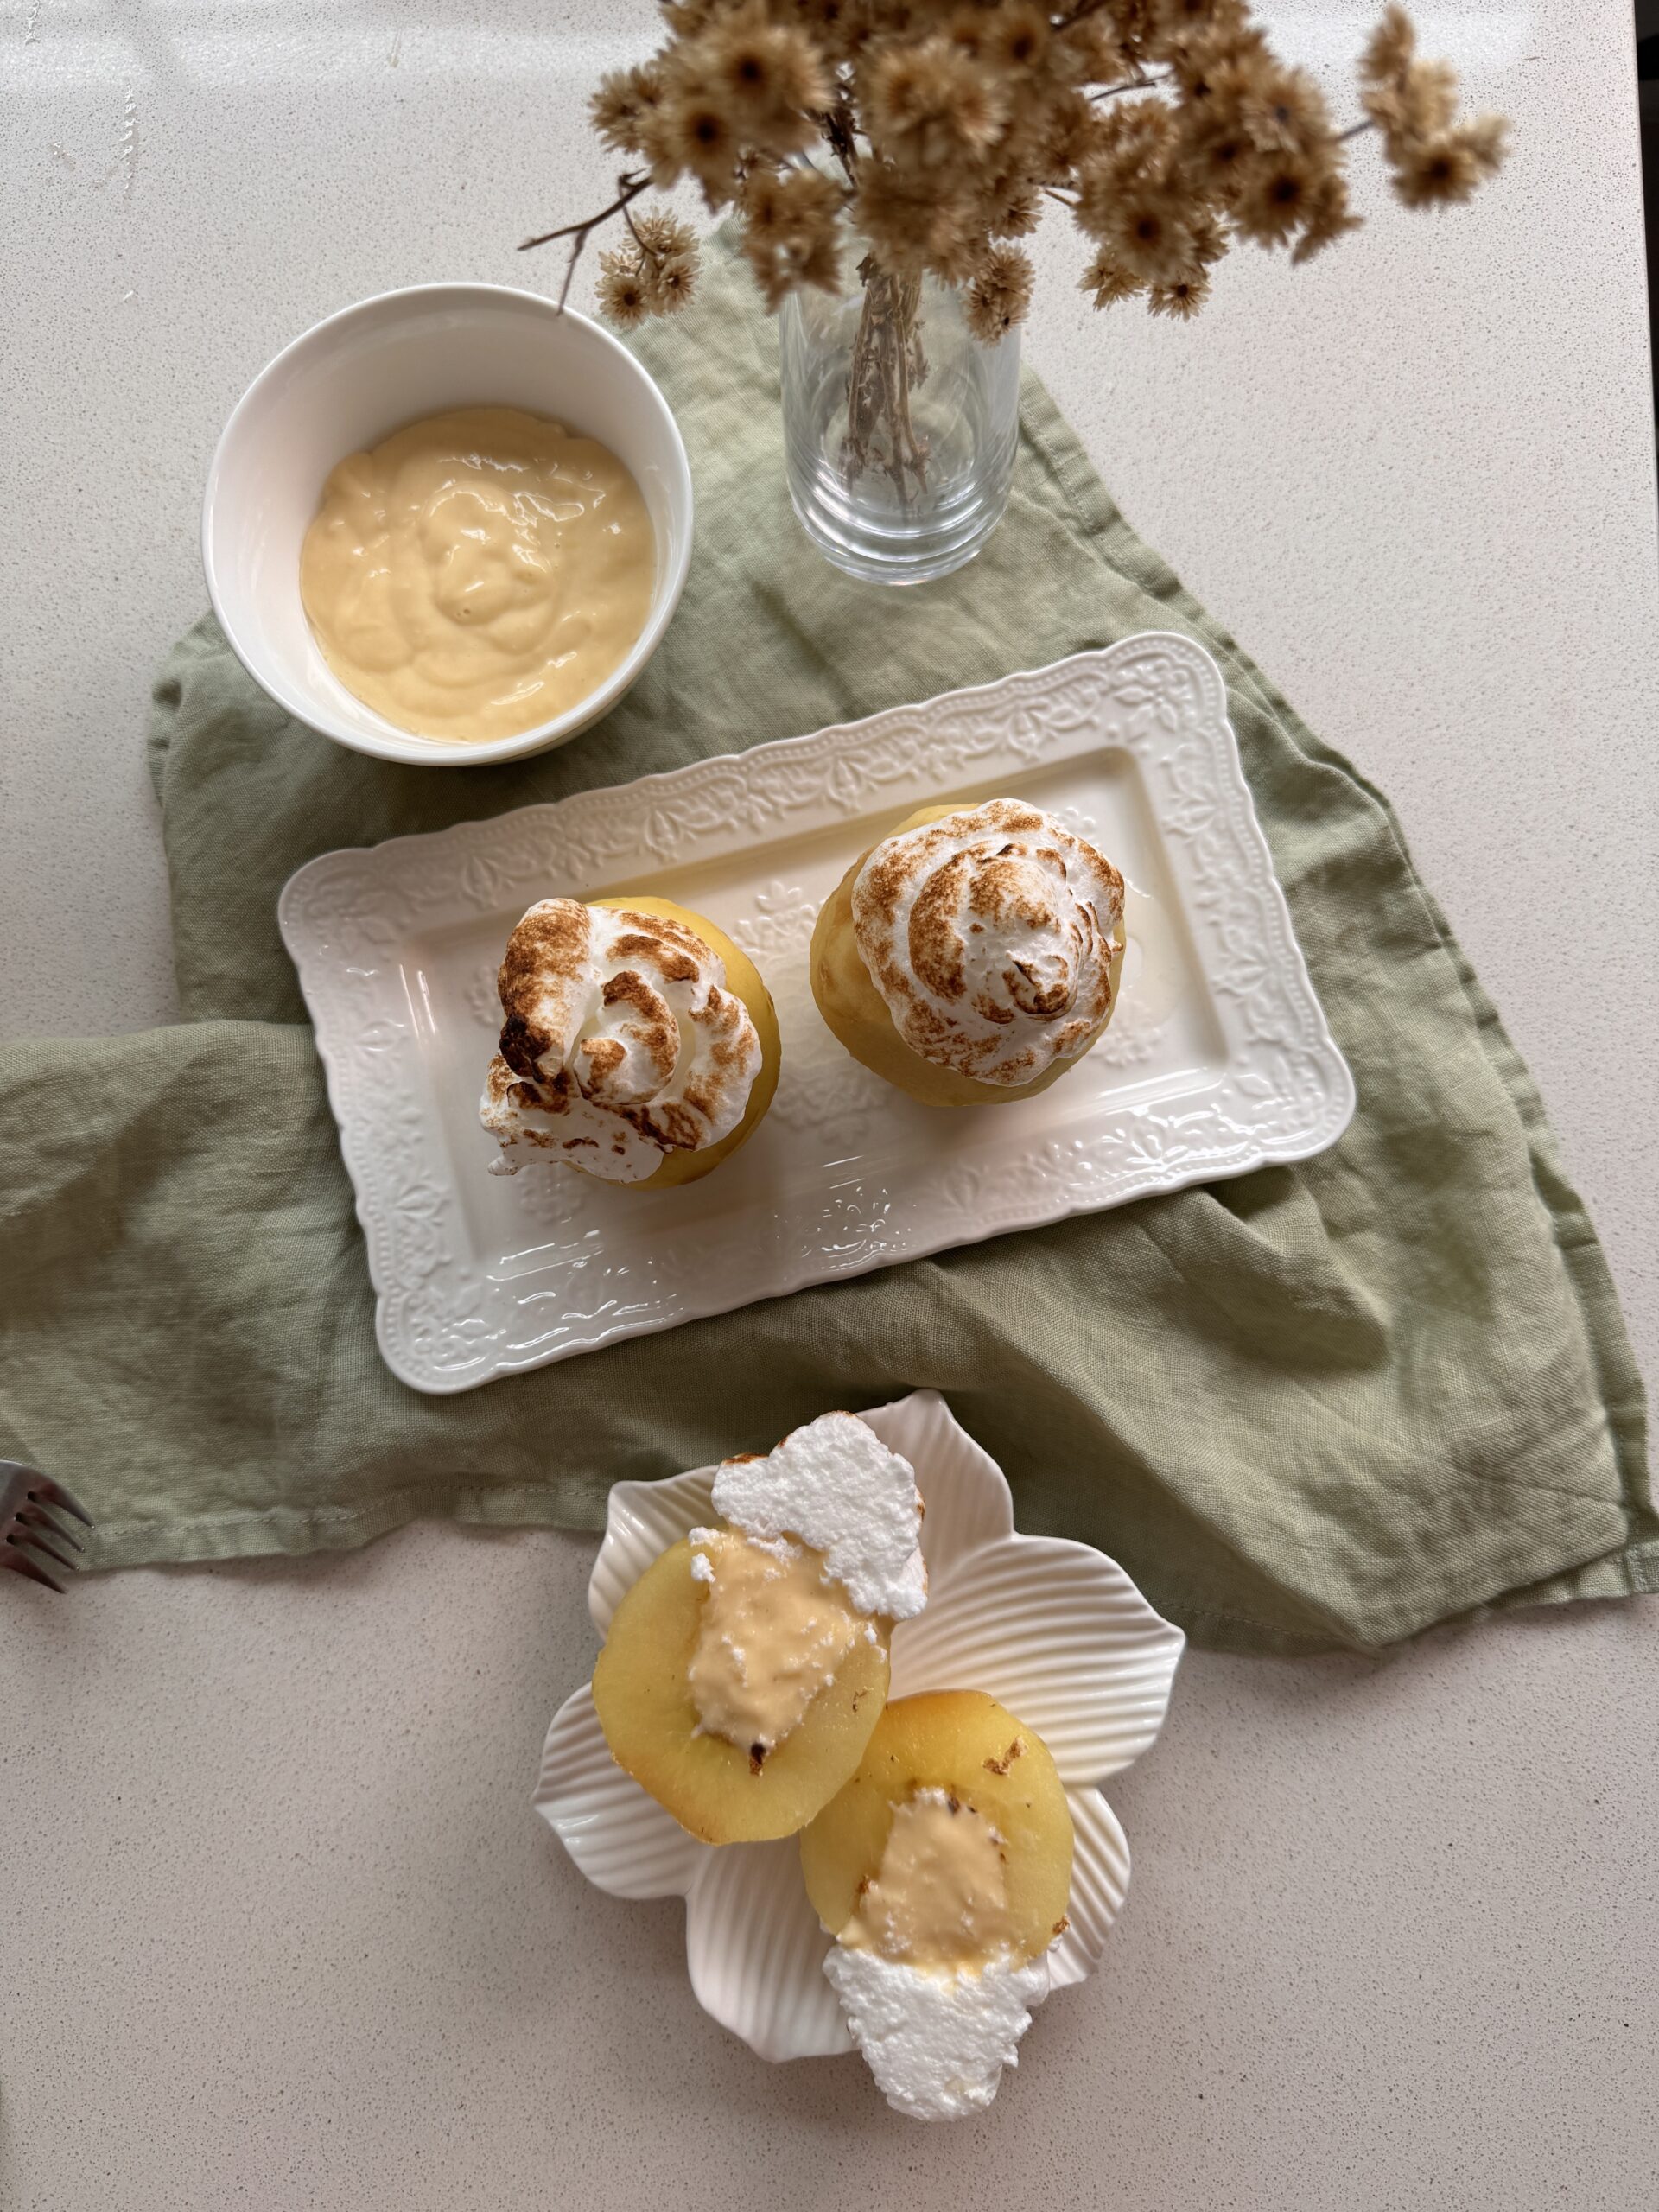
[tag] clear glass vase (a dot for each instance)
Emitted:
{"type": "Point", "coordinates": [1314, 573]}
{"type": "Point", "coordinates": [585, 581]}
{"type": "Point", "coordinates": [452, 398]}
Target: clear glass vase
{"type": "Point", "coordinates": [898, 425]}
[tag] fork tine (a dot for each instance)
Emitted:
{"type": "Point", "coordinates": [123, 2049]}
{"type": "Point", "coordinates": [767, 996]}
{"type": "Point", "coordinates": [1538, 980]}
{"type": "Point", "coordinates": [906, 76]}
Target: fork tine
{"type": "Point", "coordinates": [55, 1493]}
{"type": "Point", "coordinates": [20, 1563]}
{"type": "Point", "coordinates": [30, 1543]}
{"type": "Point", "coordinates": [33, 1516]}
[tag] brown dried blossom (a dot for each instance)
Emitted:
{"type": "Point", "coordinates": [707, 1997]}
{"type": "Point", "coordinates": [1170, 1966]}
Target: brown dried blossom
{"type": "Point", "coordinates": [769, 75]}
{"type": "Point", "coordinates": [1435, 171]}
{"type": "Point", "coordinates": [1010, 207]}
{"type": "Point", "coordinates": [1107, 281]}
{"type": "Point", "coordinates": [654, 273]}
{"type": "Point", "coordinates": [1328, 217]}
{"type": "Point", "coordinates": [1434, 158]}
{"type": "Point", "coordinates": [999, 293]}
{"type": "Point", "coordinates": [1283, 111]}
{"type": "Point", "coordinates": [1147, 234]}
{"type": "Point", "coordinates": [1091, 52]}
{"type": "Point", "coordinates": [621, 289]}
{"type": "Point", "coordinates": [936, 131]}
{"type": "Point", "coordinates": [1182, 298]}
{"type": "Point", "coordinates": [791, 231]}
{"type": "Point", "coordinates": [1198, 59]}
{"type": "Point", "coordinates": [1273, 205]}
{"type": "Point", "coordinates": [1176, 19]}
{"type": "Point", "coordinates": [619, 109]}
{"type": "Point", "coordinates": [1017, 38]}
{"type": "Point", "coordinates": [932, 104]}
{"type": "Point", "coordinates": [693, 133]}
{"type": "Point", "coordinates": [911, 225]}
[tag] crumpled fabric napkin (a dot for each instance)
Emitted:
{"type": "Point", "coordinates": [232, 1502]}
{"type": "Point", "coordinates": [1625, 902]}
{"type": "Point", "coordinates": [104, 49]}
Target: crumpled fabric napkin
{"type": "Point", "coordinates": [1317, 1407]}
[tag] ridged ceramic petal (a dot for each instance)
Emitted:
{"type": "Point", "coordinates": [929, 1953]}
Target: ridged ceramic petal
{"type": "Point", "coordinates": [641, 1521]}
{"type": "Point", "coordinates": [1100, 1882]}
{"type": "Point", "coordinates": [1059, 1634]}
{"type": "Point", "coordinates": [755, 1952]}
{"type": "Point", "coordinates": [621, 1839]}
{"type": "Point", "coordinates": [967, 1502]}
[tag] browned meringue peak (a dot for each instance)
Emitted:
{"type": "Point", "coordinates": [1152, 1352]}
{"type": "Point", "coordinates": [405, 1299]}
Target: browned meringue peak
{"type": "Point", "coordinates": [989, 936]}
{"type": "Point", "coordinates": [621, 1042]}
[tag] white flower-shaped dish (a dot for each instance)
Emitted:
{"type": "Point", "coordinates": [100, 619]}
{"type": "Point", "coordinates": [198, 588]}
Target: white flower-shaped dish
{"type": "Point", "coordinates": [1054, 1631]}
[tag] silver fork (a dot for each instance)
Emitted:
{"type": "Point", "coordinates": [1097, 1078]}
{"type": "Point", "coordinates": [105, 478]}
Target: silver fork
{"type": "Point", "coordinates": [27, 1527]}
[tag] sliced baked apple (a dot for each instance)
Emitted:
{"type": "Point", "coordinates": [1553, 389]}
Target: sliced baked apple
{"type": "Point", "coordinates": [966, 1746]}
{"type": "Point", "coordinates": [942, 1870]}
{"type": "Point", "coordinates": [725, 1790]}
{"type": "Point", "coordinates": [745, 1670]}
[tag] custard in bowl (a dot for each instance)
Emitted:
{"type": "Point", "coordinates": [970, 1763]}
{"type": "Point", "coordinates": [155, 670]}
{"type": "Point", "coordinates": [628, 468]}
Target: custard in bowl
{"type": "Point", "coordinates": [478, 572]}
{"type": "Point", "coordinates": [975, 955]}
{"type": "Point", "coordinates": [638, 1044]}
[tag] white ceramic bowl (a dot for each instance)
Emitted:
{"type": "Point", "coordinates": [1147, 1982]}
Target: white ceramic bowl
{"type": "Point", "coordinates": [351, 381]}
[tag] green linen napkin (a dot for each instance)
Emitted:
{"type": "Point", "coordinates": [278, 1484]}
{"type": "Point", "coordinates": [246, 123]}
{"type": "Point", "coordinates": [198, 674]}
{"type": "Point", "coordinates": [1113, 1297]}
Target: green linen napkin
{"type": "Point", "coordinates": [1317, 1407]}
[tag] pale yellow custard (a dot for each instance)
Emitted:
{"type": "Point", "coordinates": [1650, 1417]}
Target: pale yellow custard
{"type": "Point", "coordinates": [772, 1634]}
{"type": "Point", "coordinates": [478, 572]}
{"type": "Point", "coordinates": [940, 1896]}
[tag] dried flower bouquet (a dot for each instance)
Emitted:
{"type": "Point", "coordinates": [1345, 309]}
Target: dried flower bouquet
{"type": "Point", "coordinates": [934, 131]}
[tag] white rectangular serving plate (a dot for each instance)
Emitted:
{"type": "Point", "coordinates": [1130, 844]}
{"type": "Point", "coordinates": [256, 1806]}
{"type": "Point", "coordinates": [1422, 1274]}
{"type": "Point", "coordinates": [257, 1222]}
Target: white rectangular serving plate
{"type": "Point", "coordinates": [1217, 1061]}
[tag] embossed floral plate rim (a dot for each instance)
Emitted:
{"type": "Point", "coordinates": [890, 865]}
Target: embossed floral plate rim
{"type": "Point", "coordinates": [448, 1318]}
{"type": "Point", "coordinates": [1055, 1631]}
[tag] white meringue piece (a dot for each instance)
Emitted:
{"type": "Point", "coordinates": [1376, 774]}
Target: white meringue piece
{"type": "Point", "coordinates": [990, 936]}
{"type": "Point", "coordinates": [836, 1486]}
{"type": "Point", "coordinates": [620, 1044]}
{"type": "Point", "coordinates": [937, 2043]}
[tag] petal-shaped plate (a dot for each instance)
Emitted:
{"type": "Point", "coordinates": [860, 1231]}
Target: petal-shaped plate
{"type": "Point", "coordinates": [1058, 1633]}
{"type": "Point", "coordinates": [624, 1841]}
{"type": "Point", "coordinates": [755, 1951]}
{"type": "Point", "coordinates": [641, 1521]}
{"type": "Point", "coordinates": [1055, 1631]}
{"type": "Point", "coordinates": [1100, 1882]}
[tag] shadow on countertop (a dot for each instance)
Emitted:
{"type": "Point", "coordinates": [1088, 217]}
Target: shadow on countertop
{"type": "Point", "coordinates": [1647, 70]}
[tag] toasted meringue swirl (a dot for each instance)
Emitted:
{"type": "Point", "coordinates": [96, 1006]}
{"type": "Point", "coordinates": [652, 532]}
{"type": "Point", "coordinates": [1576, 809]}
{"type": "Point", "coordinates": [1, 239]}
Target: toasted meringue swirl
{"type": "Point", "coordinates": [621, 1043]}
{"type": "Point", "coordinates": [990, 934]}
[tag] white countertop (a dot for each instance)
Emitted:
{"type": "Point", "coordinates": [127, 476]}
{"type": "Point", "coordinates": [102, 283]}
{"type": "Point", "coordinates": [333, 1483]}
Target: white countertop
{"type": "Point", "coordinates": [281, 1930]}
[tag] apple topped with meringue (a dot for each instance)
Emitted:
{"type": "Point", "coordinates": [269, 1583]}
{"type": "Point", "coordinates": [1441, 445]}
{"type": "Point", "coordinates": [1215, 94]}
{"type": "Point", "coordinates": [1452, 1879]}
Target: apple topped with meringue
{"type": "Point", "coordinates": [638, 1044]}
{"type": "Point", "coordinates": [973, 956]}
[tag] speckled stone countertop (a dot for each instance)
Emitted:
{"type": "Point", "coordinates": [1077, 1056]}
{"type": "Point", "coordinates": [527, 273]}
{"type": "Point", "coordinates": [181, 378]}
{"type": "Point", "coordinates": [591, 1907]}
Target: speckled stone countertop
{"type": "Point", "coordinates": [281, 1930]}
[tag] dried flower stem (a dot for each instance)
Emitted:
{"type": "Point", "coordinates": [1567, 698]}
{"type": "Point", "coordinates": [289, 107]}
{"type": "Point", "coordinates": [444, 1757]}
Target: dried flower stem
{"type": "Point", "coordinates": [628, 188]}
{"type": "Point", "coordinates": [887, 361]}
{"type": "Point", "coordinates": [1140, 84]}
{"type": "Point", "coordinates": [644, 245]}
{"type": "Point", "coordinates": [839, 127]}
